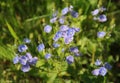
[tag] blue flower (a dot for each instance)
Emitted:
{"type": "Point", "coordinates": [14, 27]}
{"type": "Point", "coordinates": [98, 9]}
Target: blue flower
{"type": "Point", "coordinates": [55, 14]}
{"type": "Point", "coordinates": [64, 27]}
{"type": "Point", "coordinates": [25, 68]}
{"type": "Point", "coordinates": [57, 36]}
{"type": "Point", "coordinates": [47, 56]}
{"type": "Point", "coordinates": [74, 14]}
{"type": "Point", "coordinates": [95, 12]}
{"type": "Point", "coordinates": [78, 54]}
{"type": "Point", "coordinates": [67, 40]}
{"type": "Point", "coordinates": [107, 66]}
{"type": "Point", "coordinates": [47, 28]}
{"type": "Point", "coordinates": [71, 32]}
{"type": "Point", "coordinates": [65, 11]}
{"type": "Point", "coordinates": [23, 60]}
{"type": "Point", "coordinates": [55, 45]}
{"type": "Point", "coordinates": [70, 59]}
{"type": "Point", "coordinates": [96, 72]}
{"type": "Point", "coordinates": [53, 20]}
{"type": "Point", "coordinates": [102, 71]}
{"type": "Point", "coordinates": [26, 40]}
{"type": "Point", "coordinates": [98, 62]}
{"type": "Point", "coordinates": [101, 34]}
{"type": "Point", "coordinates": [28, 55]}
{"type": "Point", "coordinates": [61, 20]}
{"type": "Point", "coordinates": [77, 29]}
{"type": "Point", "coordinates": [40, 47]}
{"type": "Point", "coordinates": [102, 18]}
{"type": "Point", "coordinates": [33, 61]}
{"type": "Point", "coordinates": [16, 60]}
{"type": "Point", "coordinates": [22, 48]}
{"type": "Point", "coordinates": [74, 49]}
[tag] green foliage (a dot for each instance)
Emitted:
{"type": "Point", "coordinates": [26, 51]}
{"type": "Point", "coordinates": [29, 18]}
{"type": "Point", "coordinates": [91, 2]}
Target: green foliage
{"type": "Point", "coordinates": [26, 18]}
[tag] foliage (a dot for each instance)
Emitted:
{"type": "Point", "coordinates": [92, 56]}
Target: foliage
{"type": "Point", "coordinates": [21, 19]}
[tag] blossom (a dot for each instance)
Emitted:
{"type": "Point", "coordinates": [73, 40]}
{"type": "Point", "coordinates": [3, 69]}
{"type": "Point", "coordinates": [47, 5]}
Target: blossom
{"type": "Point", "coordinates": [67, 40]}
{"type": "Point", "coordinates": [102, 71]}
{"type": "Point", "coordinates": [22, 48]}
{"type": "Point", "coordinates": [107, 66]}
{"type": "Point", "coordinates": [101, 34]}
{"type": "Point", "coordinates": [61, 20]}
{"type": "Point", "coordinates": [53, 20]}
{"type": "Point", "coordinates": [65, 11]}
{"type": "Point", "coordinates": [55, 45]}
{"type": "Point", "coordinates": [74, 49]}
{"type": "Point", "coordinates": [98, 62]}
{"type": "Point", "coordinates": [74, 14]}
{"type": "Point", "coordinates": [102, 18]}
{"type": "Point", "coordinates": [25, 68]}
{"type": "Point", "coordinates": [33, 61]}
{"type": "Point", "coordinates": [57, 36]}
{"type": "Point", "coordinates": [26, 40]}
{"type": "Point", "coordinates": [64, 27]}
{"type": "Point", "coordinates": [96, 72]}
{"type": "Point", "coordinates": [95, 12]}
{"type": "Point", "coordinates": [23, 60]}
{"type": "Point", "coordinates": [47, 28]}
{"type": "Point", "coordinates": [16, 60]}
{"type": "Point", "coordinates": [40, 47]}
{"type": "Point", "coordinates": [47, 56]}
{"type": "Point", "coordinates": [70, 32]}
{"type": "Point", "coordinates": [28, 55]}
{"type": "Point", "coordinates": [70, 59]}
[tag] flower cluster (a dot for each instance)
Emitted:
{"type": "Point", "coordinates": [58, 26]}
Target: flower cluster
{"type": "Point", "coordinates": [25, 60]}
{"type": "Point", "coordinates": [65, 31]}
{"type": "Point", "coordinates": [98, 16]}
{"type": "Point", "coordinates": [102, 70]}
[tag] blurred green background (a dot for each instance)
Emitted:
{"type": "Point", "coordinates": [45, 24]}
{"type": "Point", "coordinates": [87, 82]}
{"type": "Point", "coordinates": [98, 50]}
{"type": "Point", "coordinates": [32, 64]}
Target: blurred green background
{"type": "Point", "coordinates": [25, 18]}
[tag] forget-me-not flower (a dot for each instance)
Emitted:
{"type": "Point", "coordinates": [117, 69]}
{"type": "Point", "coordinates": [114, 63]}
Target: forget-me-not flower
{"type": "Point", "coordinates": [22, 48]}
{"type": "Point", "coordinates": [70, 59]}
{"type": "Point", "coordinates": [40, 47]}
{"type": "Point", "coordinates": [47, 28]}
{"type": "Point", "coordinates": [101, 34]}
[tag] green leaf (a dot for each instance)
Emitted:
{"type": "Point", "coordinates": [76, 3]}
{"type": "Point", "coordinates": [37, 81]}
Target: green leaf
{"type": "Point", "coordinates": [12, 31]}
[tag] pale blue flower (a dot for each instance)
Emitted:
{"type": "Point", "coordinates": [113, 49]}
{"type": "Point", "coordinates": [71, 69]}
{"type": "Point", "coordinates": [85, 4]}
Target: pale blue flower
{"type": "Point", "coordinates": [55, 45]}
{"type": "Point", "coordinates": [101, 34]}
{"type": "Point", "coordinates": [40, 47]}
{"type": "Point", "coordinates": [47, 56]}
{"type": "Point", "coordinates": [96, 72]}
{"type": "Point", "coordinates": [64, 27]}
{"type": "Point", "coordinates": [23, 60]}
{"type": "Point", "coordinates": [26, 40]}
{"type": "Point", "coordinates": [74, 14]}
{"type": "Point", "coordinates": [74, 49]}
{"type": "Point", "coordinates": [71, 32]}
{"type": "Point", "coordinates": [61, 20]}
{"type": "Point", "coordinates": [98, 62]}
{"type": "Point", "coordinates": [57, 36]}
{"type": "Point", "coordinates": [67, 40]}
{"type": "Point", "coordinates": [102, 71]}
{"type": "Point", "coordinates": [16, 60]}
{"type": "Point", "coordinates": [95, 12]}
{"type": "Point", "coordinates": [47, 28]}
{"type": "Point", "coordinates": [102, 18]}
{"type": "Point", "coordinates": [53, 20]}
{"type": "Point", "coordinates": [65, 11]}
{"type": "Point", "coordinates": [70, 59]}
{"type": "Point", "coordinates": [107, 66]}
{"type": "Point", "coordinates": [25, 68]}
{"type": "Point", "coordinates": [22, 48]}
{"type": "Point", "coordinates": [33, 61]}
